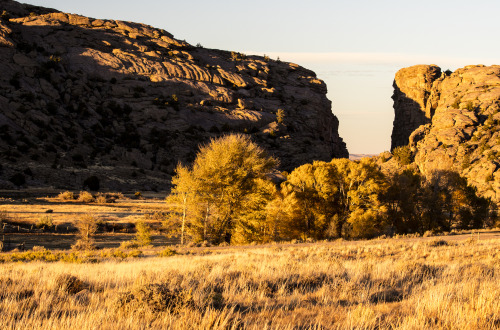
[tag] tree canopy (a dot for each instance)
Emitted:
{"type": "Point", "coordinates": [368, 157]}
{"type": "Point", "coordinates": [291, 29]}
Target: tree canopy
{"type": "Point", "coordinates": [220, 186]}
{"type": "Point", "coordinates": [226, 196]}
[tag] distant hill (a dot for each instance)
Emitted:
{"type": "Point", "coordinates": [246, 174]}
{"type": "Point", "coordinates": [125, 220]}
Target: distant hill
{"type": "Point", "coordinates": [359, 156]}
{"type": "Point", "coordinates": [125, 102]}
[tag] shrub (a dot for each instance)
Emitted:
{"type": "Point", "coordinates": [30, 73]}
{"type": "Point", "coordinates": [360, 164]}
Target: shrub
{"type": "Point", "coordinates": [403, 155]}
{"type": "Point", "coordinates": [428, 233]}
{"type": "Point", "coordinates": [437, 242]}
{"type": "Point", "coordinates": [469, 106]}
{"type": "Point", "coordinates": [44, 221]}
{"type": "Point", "coordinates": [155, 297]}
{"type": "Point", "coordinates": [70, 284]}
{"type": "Point", "coordinates": [129, 245]}
{"type": "Point", "coordinates": [280, 116]}
{"type": "Point", "coordinates": [466, 161]}
{"type": "Point", "coordinates": [85, 197]}
{"type": "Point", "coordinates": [65, 196]}
{"type": "Point", "coordinates": [101, 199]}
{"type": "Point", "coordinates": [168, 252]}
{"type": "Point", "coordinates": [143, 234]}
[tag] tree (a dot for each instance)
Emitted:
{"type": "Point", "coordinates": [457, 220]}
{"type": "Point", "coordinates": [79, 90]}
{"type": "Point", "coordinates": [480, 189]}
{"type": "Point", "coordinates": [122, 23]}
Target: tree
{"type": "Point", "coordinates": [252, 223]}
{"type": "Point", "coordinates": [360, 186]}
{"type": "Point", "coordinates": [403, 198]}
{"type": "Point", "coordinates": [442, 201]}
{"type": "Point", "coordinates": [213, 192]}
{"type": "Point", "coordinates": [87, 227]}
{"type": "Point", "coordinates": [310, 191]}
{"type": "Point", "coordinates": [180, 198]}
{"type": "Point", "coordinates": [331, 195]}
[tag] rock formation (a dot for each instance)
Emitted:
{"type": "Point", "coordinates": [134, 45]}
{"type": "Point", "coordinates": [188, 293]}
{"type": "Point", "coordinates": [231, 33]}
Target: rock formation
{"type": "Point", "coordinates": [126, 102]}
{"type": "Point", "coordinates": [413, 105]}
{"type": "Point", "coordinates": [463, 133]}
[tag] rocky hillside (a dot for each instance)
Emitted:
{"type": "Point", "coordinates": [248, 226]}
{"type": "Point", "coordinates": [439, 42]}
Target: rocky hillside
{"type": "Point", "coordinates": [125, 102]}
{"type": "Point", "coordinates": [460, 113]}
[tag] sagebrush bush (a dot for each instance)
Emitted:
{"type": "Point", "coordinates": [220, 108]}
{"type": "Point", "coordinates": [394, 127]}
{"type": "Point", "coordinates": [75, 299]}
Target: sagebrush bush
{"type": "Point", "coordinates": [168, 252]}
{"type": "Point", "coordinates": [85, 197]}
{"type": "Point", "coordinates": [70, 284]}
{"type": "Point", "coordinates": [129, 245]}
{"type": "Point", "coordinates": [45, 221]}
{"type": "Point", "coordinates": [101, 199]}
{"type": "Point", "coordinates": [66, 196]}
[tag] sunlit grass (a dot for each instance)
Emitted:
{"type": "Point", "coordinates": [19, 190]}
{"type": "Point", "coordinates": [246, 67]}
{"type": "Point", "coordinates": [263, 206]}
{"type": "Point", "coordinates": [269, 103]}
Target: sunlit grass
{"type": "Point", "coordinates": [368, 284]}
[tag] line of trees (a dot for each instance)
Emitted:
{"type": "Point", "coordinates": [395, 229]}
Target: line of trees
{"type": "Point", "coordinates": [228, 195]}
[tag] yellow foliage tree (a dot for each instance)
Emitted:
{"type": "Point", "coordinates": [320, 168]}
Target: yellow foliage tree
{"type": "Point", "coordinates": [223, 180]}
{"type": "Point", "coordinates": [335, 193]}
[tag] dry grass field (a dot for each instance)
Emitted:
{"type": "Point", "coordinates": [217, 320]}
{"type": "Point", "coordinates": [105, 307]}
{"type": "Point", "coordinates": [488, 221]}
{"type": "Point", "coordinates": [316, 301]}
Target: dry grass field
{"type": "Point", "coordinates": [23, 216]}
{"type": "Point", "coordinates": [449, 282]}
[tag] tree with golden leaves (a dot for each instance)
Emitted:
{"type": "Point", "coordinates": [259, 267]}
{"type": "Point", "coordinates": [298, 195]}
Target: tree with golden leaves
{"type": "Point", "coordinates": [218, 187]}
{"type": "Point", "coordinates": [327, 196]}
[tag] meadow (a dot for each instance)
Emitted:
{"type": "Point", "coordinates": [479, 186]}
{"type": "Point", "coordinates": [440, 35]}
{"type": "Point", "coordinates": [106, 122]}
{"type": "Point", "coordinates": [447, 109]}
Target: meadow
{"type": "Point", "coordinates": [446, 282]}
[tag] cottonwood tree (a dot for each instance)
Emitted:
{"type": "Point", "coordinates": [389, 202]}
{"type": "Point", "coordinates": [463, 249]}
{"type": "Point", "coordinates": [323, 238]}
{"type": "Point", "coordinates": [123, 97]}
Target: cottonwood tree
{"type": "Point", "coordinates": [403, 199]}
{"type": "Point", "coordinates": [361, 186]}
{"type": "Point", "coordinates": [226, 174]}
{"type": "Point", "coordinates": [327, 196]}
{"type": "Point", "coordinates": [181, 200]}
{"type": "Point", "coordinates": [311, 195]}
{"type": "Point", "coordinates": [253, 223]}
{"type": "Point", "coordinates": [441, 201]}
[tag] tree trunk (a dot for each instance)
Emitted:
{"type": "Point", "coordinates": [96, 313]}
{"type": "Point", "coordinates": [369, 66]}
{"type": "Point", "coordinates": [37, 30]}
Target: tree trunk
{"type": "Point", "coordinates": [183, 219]}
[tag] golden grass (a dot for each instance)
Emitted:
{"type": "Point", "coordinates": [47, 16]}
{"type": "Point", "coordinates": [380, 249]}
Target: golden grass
{"type": "Point", "coordinates": [67, 211]}
{"type": "Point", "coordinates": [390, 283]}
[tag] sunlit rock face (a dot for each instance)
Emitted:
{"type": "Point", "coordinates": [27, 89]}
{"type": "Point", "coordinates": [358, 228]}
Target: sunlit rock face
{"type": "Point", "coordinates": [413, 104]}
{"type": "Point", "coordinates": [463, 129]}
{"type": "Point", "coordinates": [126, 102]}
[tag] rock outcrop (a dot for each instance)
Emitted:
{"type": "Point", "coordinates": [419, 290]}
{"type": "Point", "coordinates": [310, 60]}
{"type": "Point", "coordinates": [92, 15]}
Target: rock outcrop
{"type": "Point", "coordinates": [126, 102]}
{"type": "Point", "coordinates": [413, 104]}
{"type": "Point", "coordinates": [463, 134]}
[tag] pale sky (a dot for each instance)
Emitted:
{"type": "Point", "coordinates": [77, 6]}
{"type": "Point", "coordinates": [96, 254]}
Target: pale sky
{"type": "Point", "coordinates": [355, 46]}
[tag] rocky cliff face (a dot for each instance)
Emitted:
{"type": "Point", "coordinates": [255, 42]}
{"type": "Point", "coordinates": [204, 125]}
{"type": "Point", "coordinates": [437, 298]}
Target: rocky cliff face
{"type": "Point", "coordinates": [464, 132]}
{"type": "Point", "coordinates": [413, 104]}
{"type": "Point", "coordinates": [126, 102]}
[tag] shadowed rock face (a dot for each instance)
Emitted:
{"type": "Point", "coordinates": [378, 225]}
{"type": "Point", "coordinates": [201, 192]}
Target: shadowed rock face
{"type": "Point", "coordinates": [126, 102]}
{"type": "Point", "coordinates": [464, 133]}
{"type": "Point", "coordinates": [413, 104]}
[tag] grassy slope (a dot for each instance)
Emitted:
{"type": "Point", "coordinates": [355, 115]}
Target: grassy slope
{"type": "Point", "coordinates": [408, 284]}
